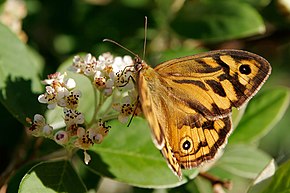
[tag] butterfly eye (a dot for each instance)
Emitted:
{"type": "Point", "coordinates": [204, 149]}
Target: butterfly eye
{"type": "Point", "coordinates": [138, 63]}
{"type": "Point", "coordinates": [245, 69]}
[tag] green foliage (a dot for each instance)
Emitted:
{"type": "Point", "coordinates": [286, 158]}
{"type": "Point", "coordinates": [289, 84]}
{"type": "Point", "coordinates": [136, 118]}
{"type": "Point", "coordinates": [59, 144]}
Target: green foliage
{"type": "Point", "coordinates": [278, 183]}
{"type": "Point", "coordinates": [52, 177]}
{"type": "Point", "coordinates": [269, 107]}
{"type": "Point", "coordinates": [214, 22]}
{"type": "Point", "coordinates": [139, 157]}
{"type": "Point", "coordinates": [57, 30]}
{"type": "Point", "coordinates": [20, 73]}
{"type": "Point", "coordinates": [243, 160]}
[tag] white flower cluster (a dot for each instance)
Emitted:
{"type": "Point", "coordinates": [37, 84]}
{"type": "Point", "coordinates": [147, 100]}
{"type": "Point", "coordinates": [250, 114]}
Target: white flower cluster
{"type": "Point", "coordinates": [111, 76]}
{"type": "Point", "coordinates": [106, 72]}
{"type": "Point", "coordinates": [58, 92]}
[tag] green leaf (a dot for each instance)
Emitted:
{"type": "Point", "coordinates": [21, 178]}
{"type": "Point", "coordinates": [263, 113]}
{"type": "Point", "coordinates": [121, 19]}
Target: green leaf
{"type": "Point", "coordinates": [189, 187]}
{"type": "Point", "coordinates": [237, 115]}
{"type": "Point", "coordinates": [262, 113]}
{"type": "Point", "coordinates": [90, 178]}
{"type": "Point", "coordinates": [268, 171]}
{"type": "Point", "coordinates": [212, 21]}
{"type": "Point", "coordinates": [2, 5]}
{"type": "Point", "coordinates": [135, 4]}
{"type": "Point", "coordinates": [239, 164]}
{"type": "Point", "coordinates": [264, 178]}
{"type": "Point", "coordinates": [280, 182]}
{"type": "Point", "coordinates": [257, 3]}
{"type": "Point", "coordinates": [177, 53]}
{"type": "Point", "coordinates": [15, 180]}
{"type": "Point", "coordinates": [243, 160]}
{"type": "Point", "coordinates": [128, 155]}
{"type": "Point", "coordinates": [49, 177]}
{"type": "Point", "coordinates": [19, 77]}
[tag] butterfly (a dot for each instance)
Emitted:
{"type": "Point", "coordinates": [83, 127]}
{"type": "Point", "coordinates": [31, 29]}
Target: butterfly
{"type": "Point", "coordinates": [188, 101]}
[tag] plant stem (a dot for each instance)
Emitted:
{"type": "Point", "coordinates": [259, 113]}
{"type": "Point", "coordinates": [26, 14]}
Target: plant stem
{"type": "Point", "coordinates": [110, 117]}
{"type": "Point", "coordinates": [98, 97]}
{"type": "Point", "coordinates": [216, 181]}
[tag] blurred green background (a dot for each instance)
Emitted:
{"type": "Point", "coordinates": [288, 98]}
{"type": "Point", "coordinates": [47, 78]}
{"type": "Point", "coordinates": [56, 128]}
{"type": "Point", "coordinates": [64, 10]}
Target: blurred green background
{"type": "Point", "coordinates": [57, 30]}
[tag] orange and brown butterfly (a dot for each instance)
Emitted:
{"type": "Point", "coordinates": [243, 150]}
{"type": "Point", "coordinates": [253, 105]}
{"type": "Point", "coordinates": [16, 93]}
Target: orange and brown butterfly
{"type": "Point", "coordinates": [188, 101]}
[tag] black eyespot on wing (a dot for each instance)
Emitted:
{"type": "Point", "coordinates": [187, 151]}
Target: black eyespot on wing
{"type": "Point", "coordinates": [186, 145]}
{"type": "Point", "coordinates": [245, 69]}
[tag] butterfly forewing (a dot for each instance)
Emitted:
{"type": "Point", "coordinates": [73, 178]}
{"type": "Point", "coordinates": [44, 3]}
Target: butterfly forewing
{"type": "Point", "coordinates": [188, 101]}
{"type": "Point", "coordinates": [216, 80]}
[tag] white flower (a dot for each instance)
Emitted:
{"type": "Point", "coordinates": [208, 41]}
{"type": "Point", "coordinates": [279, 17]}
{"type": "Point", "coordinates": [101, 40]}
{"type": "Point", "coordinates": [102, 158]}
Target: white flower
{"type": "Point", "coordinates": [73, 117]}
{"type": "Point", "coordinates": [39, 120]}
{"type": "Point", "coordinates": [109, 87]}
{"type": "Point", "coordinates": [56, 77]}
{"type": "Point", "coordinates": [99, 80]}
{"type": "Point", "coordinates": [120, 63]}
{"type": "Point", "coordinates": [78, 65]}
{"type": "Point", "coordinates": [102, 128]}
{"type": "Point", "coordinates": [83, 141]}
{"type": "Point", "coordinates": [123, 80]}
{"type": "Point", "coordinates": [81, 132]}
{"type": "Point", "coordinates": [90, 65]}
{"type": "Point", "coordinates": [47, 130]}
{"type": "Point", "coordinates": [61, 137]}
{"type": "Point", "coordinates": [52, 96]}
{"type": "Point", "coordinates": [127, 106]}
{"type": "Point", "coordinates": [95, 136]}
{"type": "Point", "coordinates": [70, 83]}
{"type": "Point", "coordinates": [57, 89]}
{"type": "Point", "coordinates": [98, 132]}
{"type": "Point", "coordinates": [126, 111]}
{"type": "Point", "coordinates": [105, 59]}
{"type": "Point", "coordinates": [98, 138]}
{"type": "Point", "coordinates": [39, 127]}
{"type": "Point", "coordinates": [71, 101]}
{"type": "Point", "coordinates": [122, 73]}
{"type": "Point", "coordinates": [49, 97]}
{"type": "Point", "coordinates": [85, 66]}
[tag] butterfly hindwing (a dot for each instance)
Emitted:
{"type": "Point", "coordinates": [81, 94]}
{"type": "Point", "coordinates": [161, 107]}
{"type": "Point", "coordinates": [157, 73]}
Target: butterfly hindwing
{"type": "Point", "coordinates": [199, 142]}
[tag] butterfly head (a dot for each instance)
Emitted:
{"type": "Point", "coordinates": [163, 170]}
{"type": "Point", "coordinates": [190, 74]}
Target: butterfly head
{"type": "Point", "coordinates": [139, 64]}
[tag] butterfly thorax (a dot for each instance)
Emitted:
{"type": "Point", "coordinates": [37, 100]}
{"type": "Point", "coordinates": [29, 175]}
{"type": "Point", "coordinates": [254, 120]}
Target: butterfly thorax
{"type": "Point", "coordinates": [145, 75]}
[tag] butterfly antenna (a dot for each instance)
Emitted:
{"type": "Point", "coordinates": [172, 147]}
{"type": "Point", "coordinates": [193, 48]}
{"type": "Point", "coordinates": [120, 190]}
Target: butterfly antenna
{"type": "Point", "coordinates": [116, 43]}
{"type": "Point", "coordinates": [144, 52]}
{"type": "Point", "coordinates": [145, 37]}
